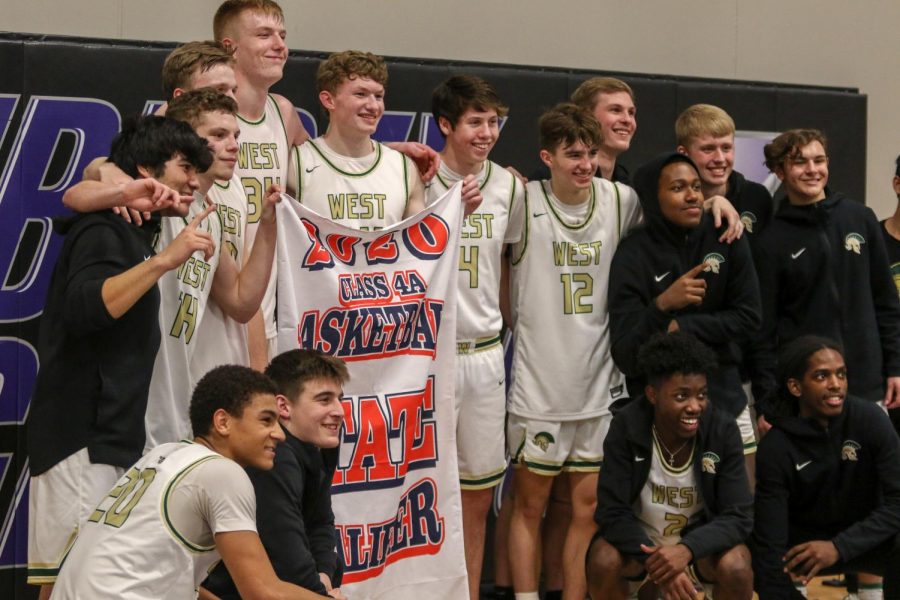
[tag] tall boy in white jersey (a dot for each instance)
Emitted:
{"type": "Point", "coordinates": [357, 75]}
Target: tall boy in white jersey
{"type": "Point", "coordinates": [468, 111]}
{"type": "Point", "coordinates": [563, 378]}
{"type": "Point", "coordinates": [189, 504]}
{"type": "Point", "coordinates": [674, 504]}
{"type": "Point", "coordinates": [345, 174]}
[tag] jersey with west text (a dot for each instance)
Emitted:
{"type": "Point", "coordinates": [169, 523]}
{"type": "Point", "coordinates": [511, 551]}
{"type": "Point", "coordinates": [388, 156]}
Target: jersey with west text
{"type": "Point", "coordinates": [562, 368]}
{"type": "Point", "coordinates": [496, 222]}
{"type": "Point", "coordinates": [370, 192]}
{"type": "Point", "coordinates": [184, 294]}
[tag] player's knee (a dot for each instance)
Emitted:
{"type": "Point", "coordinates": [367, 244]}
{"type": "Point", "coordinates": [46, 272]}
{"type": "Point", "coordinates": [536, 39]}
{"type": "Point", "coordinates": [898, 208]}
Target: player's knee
{"type": "Point", "coordinates": [734, 568]}
{"type": "Point", "coordinates": [604, 562]}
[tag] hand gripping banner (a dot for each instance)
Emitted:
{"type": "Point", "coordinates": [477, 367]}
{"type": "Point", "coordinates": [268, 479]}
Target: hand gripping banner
{"type": "Point", "coordinates": [385, 302]}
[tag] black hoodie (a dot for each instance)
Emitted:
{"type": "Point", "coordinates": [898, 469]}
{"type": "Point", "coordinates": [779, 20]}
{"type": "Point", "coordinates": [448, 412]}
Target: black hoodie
{"type": "Point", "coordinates": [650, 259]}
{"type": "Point", "coordinates": [840, 483]}
{"type": "Point", "coordinates": [823, 270]}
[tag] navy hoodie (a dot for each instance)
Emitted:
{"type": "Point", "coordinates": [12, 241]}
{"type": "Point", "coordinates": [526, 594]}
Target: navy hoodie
{"type": "Point", "coordinates": [650, 259]}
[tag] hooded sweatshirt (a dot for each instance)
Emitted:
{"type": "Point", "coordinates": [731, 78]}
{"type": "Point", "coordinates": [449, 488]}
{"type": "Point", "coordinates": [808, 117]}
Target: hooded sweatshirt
{"type": "Point", "coordinates": [651, 259]}
{"type": "Point", "coordinates": [823, 270]}
{"type": "Point", "coordinates": [840, 483]}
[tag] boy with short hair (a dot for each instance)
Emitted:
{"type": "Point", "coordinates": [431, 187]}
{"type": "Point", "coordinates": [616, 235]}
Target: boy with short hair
{"type": "Point", "coordinates": [99, 335]}
{"type": "Point", "coordinates": [294, 517]}
{"type": "Point", "coordinates": [673, 274]}
{"type": "Point", "coordinates": [345, 174]}
{"type": "Point", "coordinates": [823, 270]}
{"type": "Point", "coordinates": [563, 378]}
{"type": "Point", "coordinates": [828, 480]}
{"type": "Point", "coordinates": [611, 101]}
{"type": "Point", "coordinates": [468, 112]}
{"type": "Point", "coordinates": [673, 504]}
{"type": "Point", "coordinates": [196, 65]}
{"type": "Point", "coordinates": [190, 504]}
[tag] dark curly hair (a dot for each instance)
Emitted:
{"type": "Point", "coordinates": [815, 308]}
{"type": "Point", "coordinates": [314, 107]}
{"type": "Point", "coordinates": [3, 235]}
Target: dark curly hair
{"type": "Point", "coordinates": [666, 354]}
{"type": "Point", "coordinates": [228, 387]}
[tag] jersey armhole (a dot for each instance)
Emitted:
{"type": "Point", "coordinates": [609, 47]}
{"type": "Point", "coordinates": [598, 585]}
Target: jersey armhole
{"type": "Point", "coordinates": [527, 224]}
{"type": "Point", "coordinates": [298, 166]}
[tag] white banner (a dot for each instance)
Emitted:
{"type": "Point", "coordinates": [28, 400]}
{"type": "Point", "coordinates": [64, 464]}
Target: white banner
{"type": "Point", "coordinates": [385, 302]}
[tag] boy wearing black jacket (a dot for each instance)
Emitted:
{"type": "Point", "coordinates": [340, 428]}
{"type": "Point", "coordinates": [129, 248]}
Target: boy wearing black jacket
{"type": "Point", "coordinates": [673, 274]}
{"type": "Point", "coordinates": [828, 489]}
{"type": "Point", "coordinates": [293, 500]}
{"type": "Point", "coordinates": [823, 270]}
{"type": "Point", "coordinates": [673, 501]}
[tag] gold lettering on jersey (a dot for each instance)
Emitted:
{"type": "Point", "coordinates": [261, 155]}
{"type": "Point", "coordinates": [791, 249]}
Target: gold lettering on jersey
{"type": "Point", "coordinates": [581, 254]}
{"type": "Point", "coordinates": [186, 319]}
{"type": "Point", "coordinates": [478, 225]}
{"type": "Point", "coordinates": [231, 220]}
{"type": "Point", "coordinates": [257, 155]}
{"type": "Point", "coordinates": [255, 190]}
{"type": "Point", "coordinates": [356, 206]}
{"type": "Point", "coordinates": [194, 272]}
{"type": "Point", "coordinates": [678, 497]}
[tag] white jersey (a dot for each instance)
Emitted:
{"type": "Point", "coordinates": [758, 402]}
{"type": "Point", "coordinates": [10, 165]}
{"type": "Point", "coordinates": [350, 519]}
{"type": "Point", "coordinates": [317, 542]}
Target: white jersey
{"type": "Point", "coordinates": [262, 161]}
{"type": "Point", "coordinates": [496, 222]}
{"type": "Point", "coordinates": [670, 499]}
{"type": "Point", "coordinates": [184, 294]}
{"type": "Point", "coordinates": [370, 192]}
{"type": "Point", "coordinates": [220, 339]}
{"type": "Point", "coordinates": [562, 367]}
{"type": "Point", "coordinates": [153, 536]}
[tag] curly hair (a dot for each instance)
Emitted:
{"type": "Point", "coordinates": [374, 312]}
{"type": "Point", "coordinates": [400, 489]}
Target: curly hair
{"type": "Point", "coordinates": [666, 354]}
{"type": "Point", "coordinates": [229, 387]}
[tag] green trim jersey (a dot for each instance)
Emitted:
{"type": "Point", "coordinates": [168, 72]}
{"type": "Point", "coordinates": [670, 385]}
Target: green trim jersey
{"type": "Point", "coordinates": [562, 367]}
{"type": "Point", "coordinates": [184, 294]}
{"type": "Point", "coordinates": [498, 221]}
{"type": "Point", "coordinates": [370, 192]}
{"type": "Point", "coordinates": [153, 535]}
{"type": "Point", "coordinates": [670, 499]}
{"type": "Point", "coordinates": [262, 161]}
{"type": "Point", "coordinates": [220, 339]}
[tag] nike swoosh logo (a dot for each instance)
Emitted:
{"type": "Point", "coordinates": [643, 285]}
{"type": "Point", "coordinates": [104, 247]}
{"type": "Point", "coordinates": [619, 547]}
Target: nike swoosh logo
{"type": "Point", "coordinates": [800, 466]}
{"type": "Point", "coordinates": [148, 257]}
{"type": "Point", "coordinates": [659, 278]}
{"type": "Point", "coordinates": [794, 255]}
{"type": "Point", "coordinates": [313, 169]}
{"type": "Point", "coordinates": [536, 215]}
{"type": "Point", "coordinates": [640, 458]}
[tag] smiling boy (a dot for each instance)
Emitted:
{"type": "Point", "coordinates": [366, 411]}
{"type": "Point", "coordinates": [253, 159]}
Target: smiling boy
{"type": "Point", "coordinates": [823, 270]}
{"type": "Point", "coordinates": [674, 506]}
{"type": "Point", "coordinates": [673, 274]}
{"type": "Point", "coordinates": [189, 505]}
{"type": "Point", "coordinates": [296, 524]}
{"type": "Point", "coordinates": [835, 453]}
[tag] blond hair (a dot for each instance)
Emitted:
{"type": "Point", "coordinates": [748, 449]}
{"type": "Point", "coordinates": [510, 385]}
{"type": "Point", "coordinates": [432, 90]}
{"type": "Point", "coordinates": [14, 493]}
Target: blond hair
{"type": "Point", "coordinates": [702, 119]}
{"type": "Point", "coordinates": [230, 10]}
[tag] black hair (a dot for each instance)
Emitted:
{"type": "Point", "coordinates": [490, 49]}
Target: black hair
{"type": "Point", "coordinates": [793, 363]}
{"type": "Point", "coordinates": [292, 369]}
{"type": "Point", "coordinates": [454, 96]}
{"type": "Point", "coordinates": [897, 170]}
{"type": "Point", "coordinates": [666, 354]}
{"type": "Point", "coordinates": [229, 387]}
{"type": "Point", "coordinates": [151, 141]}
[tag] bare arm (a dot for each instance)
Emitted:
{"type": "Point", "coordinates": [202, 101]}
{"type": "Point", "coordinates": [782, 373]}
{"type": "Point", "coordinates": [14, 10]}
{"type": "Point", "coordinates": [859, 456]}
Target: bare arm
{"type": "Point", "coordinates": [249, 566]}
{"type": "Point", "coordinates": [416, 202]}
{"type": "Point", "coordinates": [258, 344]}
{"type": "Point", "coordinates": [138, 194]}
{"type": "Point", "coordinates": [296, 133]}
{"type": "Point", "coordinates": [122, 291]}
{"type": "Point", "coordinates": [240, 291]}
{"type": "Point", "coordinates": [425, 158]}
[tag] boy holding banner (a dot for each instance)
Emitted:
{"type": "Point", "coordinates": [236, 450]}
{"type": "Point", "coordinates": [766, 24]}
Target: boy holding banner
{"type": "Point", "coordinates": [468, 112]}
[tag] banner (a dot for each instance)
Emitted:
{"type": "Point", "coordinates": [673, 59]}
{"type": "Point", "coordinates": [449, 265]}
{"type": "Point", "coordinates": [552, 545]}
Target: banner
{"type": "Point", "coordinates": [385, 302]}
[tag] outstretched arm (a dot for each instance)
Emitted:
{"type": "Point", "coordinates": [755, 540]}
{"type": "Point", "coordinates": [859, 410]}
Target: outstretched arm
{"type": "Point", "coordinates": [249, 566]}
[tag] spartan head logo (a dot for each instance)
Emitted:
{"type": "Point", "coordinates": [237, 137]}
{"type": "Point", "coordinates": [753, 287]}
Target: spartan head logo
{"type": "Point", "coordinates": [713, 260]}
{"type": "Point", "coordinates": [849, 449]}
{"type": "Point", "coordinates": [749, 220]}
{"type": "Point", "coordinates": [543, 440]}
{"type": "Point", "coordinates": [708, 462]}
{"type": "Point", "coordinates": [853, 242]}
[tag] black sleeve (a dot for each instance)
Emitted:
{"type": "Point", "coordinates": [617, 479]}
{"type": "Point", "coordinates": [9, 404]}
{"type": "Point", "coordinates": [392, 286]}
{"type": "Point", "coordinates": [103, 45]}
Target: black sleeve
{"type": "Point", "coordinates": [633, 316]}
{"type": "Point", "coordinates": [734, 521]}
{"type": "Point", "coordinates": [279, 519]}
{"type": "Point", "coordinates": [883, 522]}
{"type": "Point", "coordinates": [738, 318]}
{"type": "Point", "coordinates": [770, 528]}
{"type": "Point", "coordinates": [616, 521]}
{"type": "Point", "coordinates": [884, 295]}
{"type": "Point", "coordinates": [97, 253]}
{"type": "Point", "coordinates": [762, 367]}
{"type": "Point", "coordinates": [320, 525]}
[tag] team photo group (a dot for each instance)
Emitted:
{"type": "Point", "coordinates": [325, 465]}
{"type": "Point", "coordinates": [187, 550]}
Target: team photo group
{"type": "Point", "coordinates": [282, 366]}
